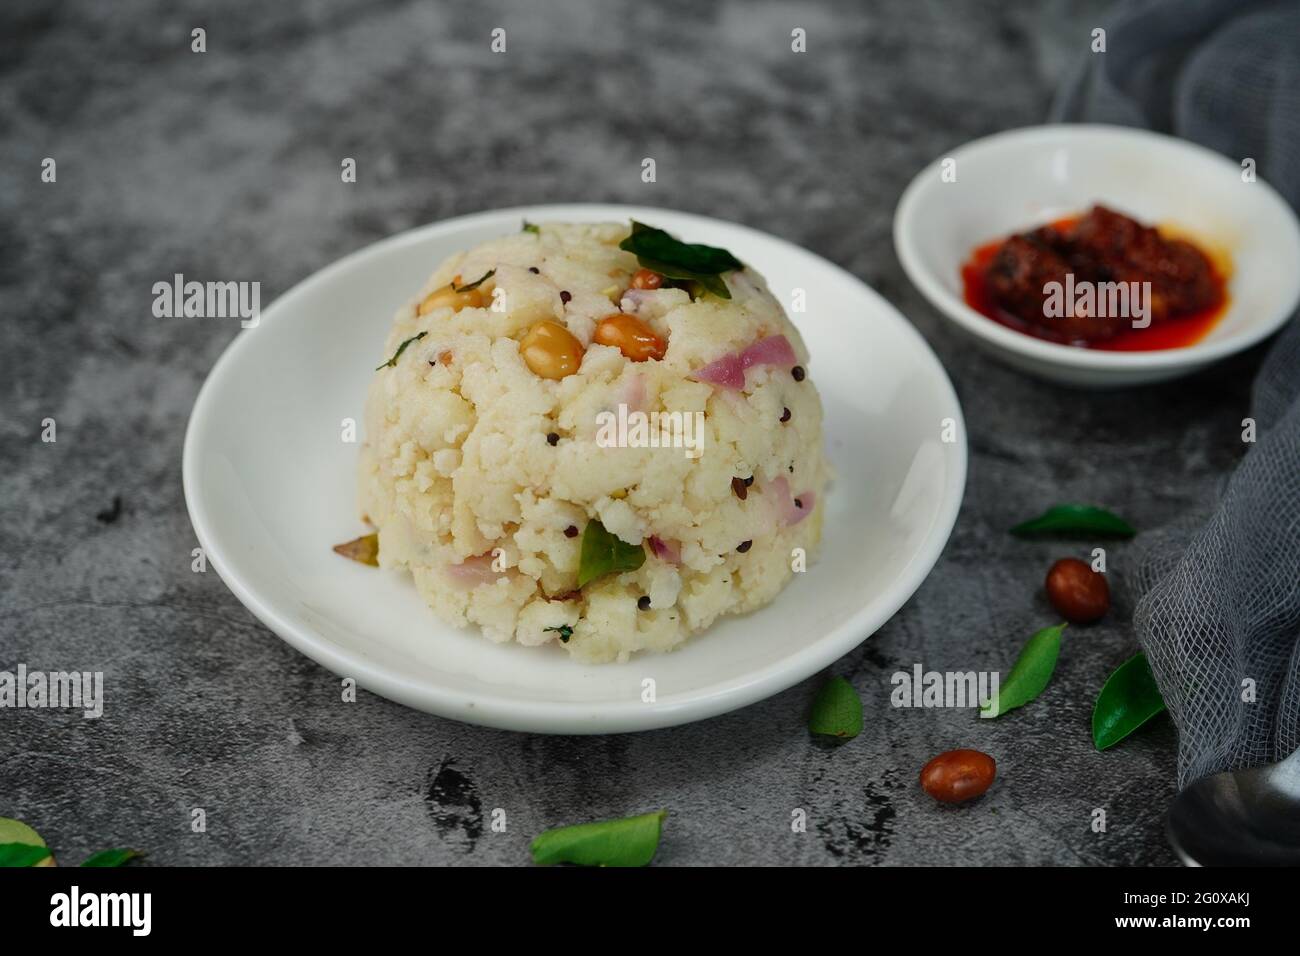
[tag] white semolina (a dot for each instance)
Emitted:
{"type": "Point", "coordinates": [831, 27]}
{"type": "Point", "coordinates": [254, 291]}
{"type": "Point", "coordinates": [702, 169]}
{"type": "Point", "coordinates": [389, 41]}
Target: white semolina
{"type": "Point", "coordinates": [481, 476]}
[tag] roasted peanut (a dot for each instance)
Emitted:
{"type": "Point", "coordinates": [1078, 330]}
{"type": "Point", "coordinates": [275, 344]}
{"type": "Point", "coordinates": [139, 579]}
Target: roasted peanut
{"type": "Point", "coordinates": [448, 296]}
{"type": "Point", "coordinates": [1080, 594]}
{"type": "Point", "coordinates": [958, 775]}
{"type": "Point", "coordinates": [550, 350]}
{"type": "Point", "coordinates": [630, 336]}
{"type": "Point", "coordinates": [646, 279]}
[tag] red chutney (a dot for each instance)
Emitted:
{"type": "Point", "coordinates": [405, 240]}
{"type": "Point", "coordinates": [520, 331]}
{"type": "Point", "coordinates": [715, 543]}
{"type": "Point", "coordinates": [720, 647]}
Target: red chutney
{"type": "Point", "coordinates": [1177, 329]}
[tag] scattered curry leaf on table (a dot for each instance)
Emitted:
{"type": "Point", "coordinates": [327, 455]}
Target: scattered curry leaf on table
{"type": "Point", "coordinates": [15, 831]}
{"type": "Point", "coordinates": [1030, 674]}
{"type": "Point", "coordinates": [535, 229]}
{"type": "Point", "coordinates": [115, 857]}
{"type": "Point", "coordinates": [660, 252]}
{"type": "Point", "coordinates": [364, 550]}
{"type": "Point", "coordinates": [1076, 519]}
{"type": "Point", "coordinates": [1128, 699]}
{"type": "Point", "coordinates": [20, 845]}
{"type": "Point", "coordinates": [392, 362]}
{"type": "Point", "coordinates": [14, 836]}
{"type": "Point", "coordinates": [836, 710]}
{"type": "Point", "coordinates": [630, 841]}
{"type": "Point", "coordinates": [604, 553]}
{"type": "Point", "coordinates": [22, 854]}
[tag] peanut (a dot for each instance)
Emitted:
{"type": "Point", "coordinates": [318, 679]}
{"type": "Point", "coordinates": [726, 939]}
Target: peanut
{"type": "Point", "coordinates": [646, 279]}
{"type": "Point", "coordinates": [1079, 593]}
{"type": "Point", "coordinates": [550, 350]}
{"type": "Point", "coordinates": [958, 775]}
{"type": "Point", "coordinates": [447, 296]}
{"type": "Point", "coordinates": [630, 336]}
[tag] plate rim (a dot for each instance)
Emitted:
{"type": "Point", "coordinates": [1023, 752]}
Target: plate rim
{"type": "Point", "coordinates": [1054, 353]}
{"type": "Point", "coordinates": [567, 717]}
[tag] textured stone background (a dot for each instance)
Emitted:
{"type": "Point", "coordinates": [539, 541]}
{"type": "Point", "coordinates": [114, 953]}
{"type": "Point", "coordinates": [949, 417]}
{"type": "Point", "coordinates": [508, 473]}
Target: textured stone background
{"type": "Point", "coordinates": [226, 165]}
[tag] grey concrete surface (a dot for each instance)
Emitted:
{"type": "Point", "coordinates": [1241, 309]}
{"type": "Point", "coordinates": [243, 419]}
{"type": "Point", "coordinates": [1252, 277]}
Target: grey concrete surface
{"type": "Point", "coordinates": [226, 165]}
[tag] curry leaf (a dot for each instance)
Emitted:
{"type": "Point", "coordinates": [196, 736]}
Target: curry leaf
{"type": "Point", "coordinates": [631, 841]}
{"type": "Point", "coordinates": [1128, 699]}
{"type": "Point", "coordinates": [116, 857]}
{"type": "Point", "coordinates": [564, 630]}
{"type": "Point", "coordinates": [659, 252]}
{"type": "Point", "coordinates": [20, 845]}
{"type": "Point", "coordinates": [1076, 519]}
{"type": "Point", "coordinates": [364, 549]}
{"type": "Point", "coordinates": [604, 553]}
{"type": "Point", "coordinates": [392, 362]}
{"type": "Point", "coordinates": [476, 283]}
{"type": "Point", "coordinates": [687, 280]}
{"type": "Point", "coordinates": [22, 854]}
{"type": "Point", "coordinates": [1029, 675]}
{"type": "Point", "coordinates": [15, 831]}
{"type": "Point", "coordinates": [535, 229]}
{"type": "Point", "coordinates": [695, 257]}
{"type": "Point", "coordinates": [836, 711]}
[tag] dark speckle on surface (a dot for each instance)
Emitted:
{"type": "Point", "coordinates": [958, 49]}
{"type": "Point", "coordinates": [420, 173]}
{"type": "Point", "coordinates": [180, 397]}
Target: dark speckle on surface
{"type": "Point", "coordinates": [863, 833]}
{"type": "Point", "coordinates": [111, 513]}
{"type": "Point", "coordinates": [226, 166]}
{"type": "Point", "coordinates": [453, 804]}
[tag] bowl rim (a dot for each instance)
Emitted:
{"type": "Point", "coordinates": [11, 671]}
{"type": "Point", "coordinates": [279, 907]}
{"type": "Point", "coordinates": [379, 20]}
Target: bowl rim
{"type": "Point", "coordinates": [1055, 353]}
{"type": "Point", "coordinates": [559, 716]}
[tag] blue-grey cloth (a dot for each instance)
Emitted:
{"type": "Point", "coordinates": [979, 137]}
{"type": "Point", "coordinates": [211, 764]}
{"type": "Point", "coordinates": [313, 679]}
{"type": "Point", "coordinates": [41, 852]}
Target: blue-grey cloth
{"type": "Point", "coordinates": [1218, 613]}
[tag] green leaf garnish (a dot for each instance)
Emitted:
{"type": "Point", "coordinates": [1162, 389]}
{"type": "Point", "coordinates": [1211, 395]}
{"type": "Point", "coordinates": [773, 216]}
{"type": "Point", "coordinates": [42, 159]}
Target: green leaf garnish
{"type": "Point", "coordinates": [22, 854]}
{"type": "Point", "coordinates": [115, 857]}
{"type": "Point", "coordinates": [14, 834]}
{"type": "Point", "coordinates": [604, 553]}
{"type": "Point", "coordinates": [392, 362]}
{"type": "Point", "coordinates": [364, 550]}
{"type": "Point", "coordinates": [836, 711]}
{"type": "Point", "coordinates": [659, 252]}
{"type": "Point", "coordinates": [676, 276]}
{"type": "Point", "coordinates": [564, 630]}
{"type": "Point", "coordinates": [631, 841]}
{"type": "Point", "coordinates": [476, 283]}
{"type": "Point", "coordinates": [1030, 674]}
{"type": "Point", "coordinates": [1077, 519]}
{"type": "Point", "coordinates": [15, 831]}
{"type": "Point", "coordinates": [532, 227]}
{"type": "Point", "coordinates": [1128, 699]}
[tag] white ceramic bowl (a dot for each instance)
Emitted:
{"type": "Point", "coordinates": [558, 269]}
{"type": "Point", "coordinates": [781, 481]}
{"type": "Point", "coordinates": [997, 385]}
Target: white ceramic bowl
{"type": "Point", "coordinates": [271, 487]}
{"type": "Point", "coordinates": [1019, 179]}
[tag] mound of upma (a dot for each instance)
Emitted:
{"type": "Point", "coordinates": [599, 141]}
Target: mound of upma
{"type": "Point", "coordinates": [593, 435]}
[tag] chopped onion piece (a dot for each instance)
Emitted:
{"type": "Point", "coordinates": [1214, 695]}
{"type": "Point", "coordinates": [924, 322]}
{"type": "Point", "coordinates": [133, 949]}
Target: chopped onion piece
{"type": "Point", "coordinates": [729, 371]}
{"type": "Point", "coordinates": [665, 551]}
{"type": "Point", "coordinates": [472, 572]}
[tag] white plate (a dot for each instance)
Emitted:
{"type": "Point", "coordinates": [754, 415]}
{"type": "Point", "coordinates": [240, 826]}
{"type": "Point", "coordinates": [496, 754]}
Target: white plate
{"type": "Point", "coordinates": [1016, 180]}
{"type": "Point", "coordinates": [271, 487]}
